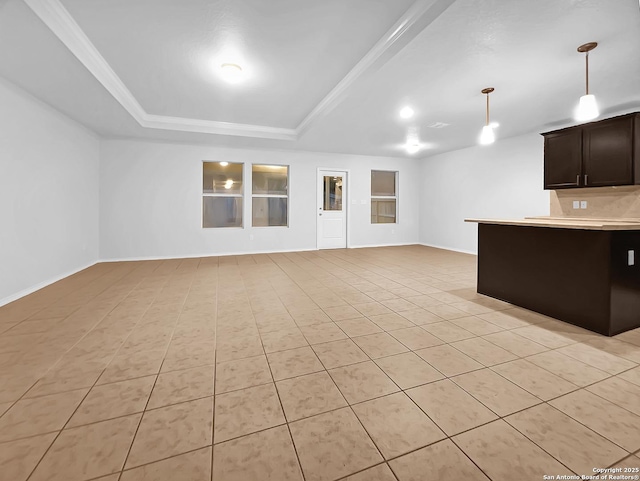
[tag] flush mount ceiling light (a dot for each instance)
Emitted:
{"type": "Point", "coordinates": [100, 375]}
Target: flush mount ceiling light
{"type": "Point", "coordinates": [413, 144]}
{"type": "Point", "coordinates": [487, 136]}
{"type": "Point", "coordinates": [412, 148]}
{"type": "Point", "coordinates": [224, 164]}
{"type": "Point", "coordinates": [231, 72]}
{"type": "Point", "coordinates": [587, 108]}
{"type": "Point", "coordinates": [406, 112]}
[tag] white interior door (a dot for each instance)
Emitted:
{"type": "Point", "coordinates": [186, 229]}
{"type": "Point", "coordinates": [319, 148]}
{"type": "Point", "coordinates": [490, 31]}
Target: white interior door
{"type": "Point", "coordinates": [332, 209]}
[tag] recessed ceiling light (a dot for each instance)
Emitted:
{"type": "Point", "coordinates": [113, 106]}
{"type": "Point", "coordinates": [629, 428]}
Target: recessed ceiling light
{"type": "Point", "coordinates": [412, 148]}
{"type": "Point", "coordinates": [406, 112]}
{"type": "Point", "coordinates": [224, 164]}
{"type": "Point", "coordinates": [231, 72]}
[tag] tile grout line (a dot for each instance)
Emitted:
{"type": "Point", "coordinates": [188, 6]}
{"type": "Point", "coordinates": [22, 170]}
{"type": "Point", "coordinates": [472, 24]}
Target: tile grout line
{"type": "Point", "coordinates": [350, 405]}
{"type": "Point", "coordinates": [74, 389]}
{"type": "Point", "coordinates": [383, 463]}
{"type": "Point", "coordinates": [30, 318]}
{"type": "Point", "coordinates": [542, 401]}
{"type": "Point", "coordinates": [302, 290]}
{"type": "Point", "coordinates": [75, 410]}
{"type": "Point", "coordinates": [503, 418]}
{"type": "Point", "coordinates": [54, 365]}
{"type": "Point", "coordinates": [124, 463]}
{"type": "Point", "coordinates": [275, 387]}
{"type": "Point", "coordinates": [475, 336]}
{"type": "Point", "coordinates": [215, 370]}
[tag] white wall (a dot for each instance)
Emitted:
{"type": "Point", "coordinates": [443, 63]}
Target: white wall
{"type": "Point", "coordinates": [502, 180]}
{"type": "Point", "coordinates": [48, 194]}
{"type": "Point", "coordinates": [69, 198]}
{"type": "Point", "coordinates": [150, 201]}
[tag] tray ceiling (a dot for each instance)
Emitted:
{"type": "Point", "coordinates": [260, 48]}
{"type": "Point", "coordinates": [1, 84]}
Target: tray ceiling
{"type": "Point", "coordinates": [324, 76]}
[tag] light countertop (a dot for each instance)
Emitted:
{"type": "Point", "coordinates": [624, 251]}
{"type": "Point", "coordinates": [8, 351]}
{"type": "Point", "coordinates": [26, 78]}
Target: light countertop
{"type": "Point", "coordinates": [583, 223]}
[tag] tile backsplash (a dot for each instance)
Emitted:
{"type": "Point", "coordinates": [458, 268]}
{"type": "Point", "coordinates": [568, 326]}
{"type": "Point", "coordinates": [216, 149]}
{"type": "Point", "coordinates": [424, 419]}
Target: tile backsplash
{"type": "Point", "coordinates": [602, 202]}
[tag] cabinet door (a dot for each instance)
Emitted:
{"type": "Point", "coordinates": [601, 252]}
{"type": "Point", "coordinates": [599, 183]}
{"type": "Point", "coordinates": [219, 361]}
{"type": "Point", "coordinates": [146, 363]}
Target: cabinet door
{"type": "Point", "coordinates": [563, 159]}
{"type": "Point", "coordinates": [608, 152]}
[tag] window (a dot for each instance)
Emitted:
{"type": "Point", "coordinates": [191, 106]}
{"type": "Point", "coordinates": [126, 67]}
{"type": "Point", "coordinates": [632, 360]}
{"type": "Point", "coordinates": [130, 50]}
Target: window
{"type": "Point", "coordinates": [384, 201]}
{"type": "Point", "coordinates": [332, 193]}
{"type": "Point", "coordinates": [221, 194]}
{"type": "Point", "coordinates": [270, 198]}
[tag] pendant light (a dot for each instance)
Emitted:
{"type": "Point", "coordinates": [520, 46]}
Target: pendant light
{"type": "Point", "coordinates": [487, 136]}
{"type": "Point", "coordinates": [587, 108]}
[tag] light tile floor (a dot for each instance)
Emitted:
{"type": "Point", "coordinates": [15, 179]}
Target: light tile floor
{"type": "Point", "coordinates": [364, 365]}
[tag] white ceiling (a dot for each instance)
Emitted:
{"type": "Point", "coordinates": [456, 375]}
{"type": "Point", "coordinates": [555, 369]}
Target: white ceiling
{"type": "Point", "coordinates": [323, 76]}
{"type": "Point", "coordinates": [293, 52]}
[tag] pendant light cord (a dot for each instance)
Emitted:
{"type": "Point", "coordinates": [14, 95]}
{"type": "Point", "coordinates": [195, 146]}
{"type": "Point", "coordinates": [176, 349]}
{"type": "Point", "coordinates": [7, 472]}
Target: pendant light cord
{"type": "Point", "coordinates": [488, 108]}
{"type": "Point", "coordinates": [587, 70]}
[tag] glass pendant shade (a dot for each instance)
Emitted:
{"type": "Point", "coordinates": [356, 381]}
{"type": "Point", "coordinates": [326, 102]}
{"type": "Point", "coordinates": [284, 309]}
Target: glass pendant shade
{"type": "Point", "coordinates": [587, 108]}
{"type": "Point", "coordinates": [487, 136]}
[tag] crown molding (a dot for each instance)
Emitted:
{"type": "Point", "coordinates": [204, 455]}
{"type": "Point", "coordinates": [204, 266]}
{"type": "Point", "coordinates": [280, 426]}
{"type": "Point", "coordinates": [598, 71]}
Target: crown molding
{"type": "Point", "coordinates": [419, 16]}
{"type": "Point", "coordinates": [55, 16]}
{"type": "Point", "coordinates": [63, 25]}
{"type": "Point", "coordinates": [182, 124]}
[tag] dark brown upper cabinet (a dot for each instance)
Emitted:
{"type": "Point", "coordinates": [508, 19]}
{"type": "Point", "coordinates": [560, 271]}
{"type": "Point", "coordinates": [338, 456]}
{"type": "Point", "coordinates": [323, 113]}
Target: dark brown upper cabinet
{"type": "Point", "coordinates": [597, 154]}
{"type": "Point", "coordinates": [562, 159]}
{"type": "Point", "coordinates": [608, 152]}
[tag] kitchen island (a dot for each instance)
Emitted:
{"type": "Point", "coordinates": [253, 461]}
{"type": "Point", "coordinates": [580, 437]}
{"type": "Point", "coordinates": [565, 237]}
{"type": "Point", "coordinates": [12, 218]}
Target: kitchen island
{"type": "Point", "coordinates": [581, 271]}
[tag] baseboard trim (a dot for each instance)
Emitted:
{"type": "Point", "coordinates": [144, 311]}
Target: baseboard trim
{"type": "Point", "coordinates": [401, 244]}
{"type": "Point", "coordinates": [208, 254]}
{"type": "Point", "coordinates": [462, 251]}
{"type": "Point", "coordinates": [222, 254]}
{"type": "Point", "coordinates": [37, 287]}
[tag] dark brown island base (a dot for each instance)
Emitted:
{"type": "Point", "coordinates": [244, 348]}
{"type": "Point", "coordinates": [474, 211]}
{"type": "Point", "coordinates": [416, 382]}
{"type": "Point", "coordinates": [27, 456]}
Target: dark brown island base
{"type": "Point", "coordinates": [584, 272]}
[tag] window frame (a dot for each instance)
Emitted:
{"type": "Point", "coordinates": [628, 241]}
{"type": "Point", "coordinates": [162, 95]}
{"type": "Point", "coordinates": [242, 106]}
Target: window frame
{"type": "Point", "coordinates": [223, 195]}
{"type": "Point", "coordinates": [272, 196]}
{"type": "Point", "coordinates": [385, 197]}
